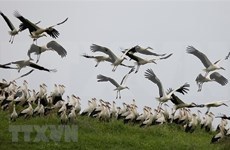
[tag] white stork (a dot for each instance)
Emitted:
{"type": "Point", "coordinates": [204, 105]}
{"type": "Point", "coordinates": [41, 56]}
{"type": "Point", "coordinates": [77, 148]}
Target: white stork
{"type": "Point", "coordinates": [215, 76]}
{"type": "Point", "coordinates": [164, 97]}
{"type": "Point", "coordinates": [13, 31]}
{"type": "Point", "coordinates": [214, 104]}
{"type": "Point", "coordinates": [114, 59]}
{"type": "Point", "coordinates": [204, 59]}
{"type": "Point", "coordinates": [120, 86]}
{"type": "Point", "coordinates": [36, 31]}
{"type": "Point", "coordinates": [146, 51]}
{"type": "Point", "coordinates": [141, 61]}
{"type": "Point", "coordinates": [52, 46]}
{"type": "Point", "coordinates": [27, 63]}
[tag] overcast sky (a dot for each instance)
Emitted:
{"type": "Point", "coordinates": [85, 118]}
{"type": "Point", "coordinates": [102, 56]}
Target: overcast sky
{"type": "Point", "coordinates": [167, 27]}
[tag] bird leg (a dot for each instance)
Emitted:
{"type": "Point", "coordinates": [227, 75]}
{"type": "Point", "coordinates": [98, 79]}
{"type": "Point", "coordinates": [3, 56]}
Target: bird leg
{"type": "Point", "coordinates": [114, 68]}
{"type": "Point", "coordinates": [38, 57]}
{"type": "Point", "coordinates": [11, 39]}
{"type": "Point", "coordinates": [138, 66]}
{"type": "Point", "coordinates": [117, 95]}
{"type": "Point", "coordinates": [97, 64]}
{"type": "Point", "coordinates": [200, 86]}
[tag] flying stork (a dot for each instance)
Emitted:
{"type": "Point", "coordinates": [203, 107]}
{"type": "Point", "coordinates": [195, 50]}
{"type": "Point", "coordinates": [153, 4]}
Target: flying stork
{"type": "Point", "coordinates": [114, 59]}
{"type": "Point", "coordinates": [52, 45]}
{"type": "Point", "coordinates": [13, 31]}
{"type": "Point", "coordinates": [215, 76]}
{"type": "Point", "coordinates": [164, 97]}
{"type": "Point", "coordinates": [214, 104]}
{"type": "Point", "coordinates": [35, 31]}
{"type": "Point", "coordinates": [146, 51]}
{"type": "Point", "coordinates": [204, 59]}
{"type": "Point", "coordinates": [141, 61]}
{"type": "Point", "coordinates": [24, 63]}
{"type": "Point", "coordinates": [119, 87]}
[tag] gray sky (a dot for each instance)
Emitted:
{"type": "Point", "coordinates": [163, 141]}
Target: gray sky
{"type": "Point", "coordinates": [168, 27]}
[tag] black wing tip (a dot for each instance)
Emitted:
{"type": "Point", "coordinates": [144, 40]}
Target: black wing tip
{"type": "Point", "coordinates": [190, 49]}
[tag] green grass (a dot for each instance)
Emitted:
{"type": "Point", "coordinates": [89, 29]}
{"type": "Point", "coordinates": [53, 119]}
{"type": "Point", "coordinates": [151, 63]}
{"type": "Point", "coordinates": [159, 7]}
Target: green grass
{"type": "Point", "coordinates": [93, 134]}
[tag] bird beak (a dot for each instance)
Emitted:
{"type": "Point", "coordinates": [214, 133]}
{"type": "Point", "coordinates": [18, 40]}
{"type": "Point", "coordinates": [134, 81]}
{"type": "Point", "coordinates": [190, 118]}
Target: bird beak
{"type": "Point", "coordinates": [225, 104]}
{"type": "Point", "coordinates": [222, 68]}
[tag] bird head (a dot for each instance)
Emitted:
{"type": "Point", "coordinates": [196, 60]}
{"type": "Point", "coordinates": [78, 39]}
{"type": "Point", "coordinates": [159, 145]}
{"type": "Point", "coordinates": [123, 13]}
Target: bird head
{"type": "Point", "coordinates": [127, 87]}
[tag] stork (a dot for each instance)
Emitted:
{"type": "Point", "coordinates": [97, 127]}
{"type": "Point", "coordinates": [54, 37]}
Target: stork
{"type": "Point", "coordinates": [119, 87]}
{"type": "Point", "coordinates": [164, 97]}
{"type": "Point", "coordinates": [101, 58]}
{"type": "Point", "coordinates": [24, 63]}
{"type": "Point", "coordinates": [36, 31]}
{"type": "Point", "coordinates": [214, 104]}
{"type": "Point", "coordinates": [215, 76]}
{"type": "Point", "coordinates": [52, 45]}
{"type": "Point", "coordinates": [146, 51]}
{"type": "Point", "coordinates": [178, 103]}
{"type": "Point", "coordinates": [115, 60]}
{"type": "Point", "coordinates": [141, 61]}
{"type": "Point", "coordinates": [204, 59]}
{"type": "Point", "coordinates": [14, 114]}
{"type": "Point", "coordinates": [13, 31]}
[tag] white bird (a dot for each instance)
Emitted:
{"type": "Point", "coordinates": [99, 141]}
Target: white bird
{"type": "Point", "coordinates": [204, 59]}
{"type": "Point", "coordinates": [13, 31]}
{"type": "Point", "coordinates": [146, 51]}
{"type": "Point", "coordinates": [36, 31]}
{"type": "Point", "coordinates": [219, 135]}
{"type": "Point", "coordinates": [115, 60]}
{"type": "Point", "coordinates": [27, 63]}
{"type": "Point", "coordinates": [214, 104]}
{"type": "Point", "coordinates": [163, 96]}
{"type": "Point", "coordinates": [52, 46]}
{"type": "Point", "coordinates": [215, 76]}
{"type": "Point", "coordinates": [120, 86]}
{"type": "Point", "coordinates": [191, 126]}
{"type": "Point", "coordinates": [178, 103]}
{"type": "Point", "coordinates": [141, 61]}
{"type": "Point", "coordinates": [14, 114]}
{"type": "Point", "coordinates": [28, 112]}
{"type": "Point", "coordinates": [100, 58]}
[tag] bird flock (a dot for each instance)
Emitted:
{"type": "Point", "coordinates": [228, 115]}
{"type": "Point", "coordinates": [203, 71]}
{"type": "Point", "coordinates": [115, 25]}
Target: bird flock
{"type": "Point", "coordinates": [21, 101]}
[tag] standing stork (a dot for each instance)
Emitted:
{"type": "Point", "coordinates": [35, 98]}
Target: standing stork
{"type": "Point", "coordinates": [52, 45]}
{"type": "Point", "coordinates": [120, 86]}
{"type": "Point", "coordinates": [215, 76]}
{"type": "Point", "coordinates": [35, 31]}
{"type": "Point", "coordinates": [114, 59]}
{"type": "Point", "coordinates": [164, 97]}
{"type": "Point", "coordinates": [204, 59]}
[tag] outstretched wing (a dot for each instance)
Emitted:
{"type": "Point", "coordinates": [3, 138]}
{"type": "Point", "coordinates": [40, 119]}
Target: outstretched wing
{"type": "Point", "coordinates": [200, 78]}
{"type": "Point", "coordinates": [183, 89]}
{"type": "Point", "coordinates": [102, 78]}
{"type": "Point", "coordinates": [33, 65]}
{"type": "Point", "coordinates": [176, 100]}
{"type": "Point", "coordinates": [57, 47]}
{"type": "Point", "coordinates": [203, 58]}
{"type": "Point", "coordinates": [146, 51]}
{"type": "Point", "coordinates": [126, 76]}
{"type": "Point", "coordinates": [34, 49]}
{"type": "Point", "coordinates": [219, 78]}
{"type": "Point", "coordinates": [9, 23]}
{"type": "Point", "coordinates": [97, 48]}
{"type": "Point", "coordinates": [149, 74]}
{"type": "Point", "coordinates": [26, 23]}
